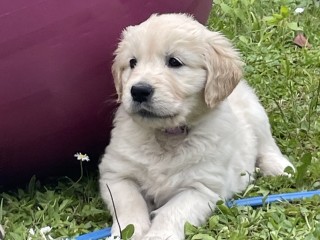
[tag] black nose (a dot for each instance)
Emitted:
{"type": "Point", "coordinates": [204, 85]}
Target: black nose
{"type": "Point", "coordinates": [141, 92]}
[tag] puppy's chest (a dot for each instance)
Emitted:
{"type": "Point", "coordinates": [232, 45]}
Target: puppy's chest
{"type": "Point", "coordinates": [165, 167]}
{"type": "Point", "coordinates": [160, 179]}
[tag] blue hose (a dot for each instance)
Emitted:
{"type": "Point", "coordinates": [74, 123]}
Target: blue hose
{"type": "Point", "coordinates": [259, 201]}
{"type": "Point", "coordinates": [96, 235]}
{"type": "Point", "coordinates": [253, 201]}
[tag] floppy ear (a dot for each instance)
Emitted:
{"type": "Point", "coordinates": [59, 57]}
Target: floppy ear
{"type": "Point", "coordinates": [224, 68]}
{"type": "Point", "coordinates": [117, 66]}
{"type": "Point", "coordinates": [116, 73]}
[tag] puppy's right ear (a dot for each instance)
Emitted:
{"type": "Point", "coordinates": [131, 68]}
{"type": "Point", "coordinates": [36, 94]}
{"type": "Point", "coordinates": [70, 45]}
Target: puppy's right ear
{"type": "Point", "coordinates": [116, 73]}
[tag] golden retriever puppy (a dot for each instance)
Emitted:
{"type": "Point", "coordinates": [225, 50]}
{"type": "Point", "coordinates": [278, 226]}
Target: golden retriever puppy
{"type": "Point", "coordinates": [188, 132]}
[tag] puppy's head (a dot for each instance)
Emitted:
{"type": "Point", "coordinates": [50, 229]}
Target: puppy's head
{"type": "Point", "coordinates": [170, 68]}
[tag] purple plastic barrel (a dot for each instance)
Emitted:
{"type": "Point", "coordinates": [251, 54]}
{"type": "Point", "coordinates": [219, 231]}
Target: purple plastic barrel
{"type": "Point", "coordinates": [56, 89]}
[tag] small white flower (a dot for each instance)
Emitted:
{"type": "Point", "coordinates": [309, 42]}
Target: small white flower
{"type": "Point", "coordinates": [82, 157]}
{"type": "Point", "coordinates": [1, 232]}
{"type": "Point", "coordinates": [299, 10]}
{"type": "Point", "coordinates": [45, 230]}
{"type": "Point", "coordinates": [50, 238]}
{"type": "Point", "coordinates": [31, 231]}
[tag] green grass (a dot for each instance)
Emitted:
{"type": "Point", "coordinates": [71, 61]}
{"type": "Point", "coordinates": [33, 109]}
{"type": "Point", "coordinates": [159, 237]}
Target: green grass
{"type": "Point", "coordinates": [287, 80]}
{"type": "Point", "coordinates": [69, 208]}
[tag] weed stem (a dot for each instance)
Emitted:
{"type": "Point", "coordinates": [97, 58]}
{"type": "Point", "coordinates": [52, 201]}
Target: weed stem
{"type": "Point", "coordinates": [115, 211]}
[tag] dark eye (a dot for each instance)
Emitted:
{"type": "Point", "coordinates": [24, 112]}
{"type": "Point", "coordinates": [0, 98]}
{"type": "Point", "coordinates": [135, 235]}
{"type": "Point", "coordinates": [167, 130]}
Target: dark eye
{"type": "Point", "coordinates": [174, 62]}
{"type": "Point", "coordinates": [133, 63]}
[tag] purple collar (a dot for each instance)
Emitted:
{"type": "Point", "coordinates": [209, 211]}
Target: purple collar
{"type": "Point", "coordinates": [180, 130]}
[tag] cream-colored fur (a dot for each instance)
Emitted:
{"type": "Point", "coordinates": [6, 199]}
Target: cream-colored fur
{"type": "Point", "coordinates": [159, 179]}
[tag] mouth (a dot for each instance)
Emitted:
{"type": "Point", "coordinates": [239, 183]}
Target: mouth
{"type": "Point", "coordinates": [147, 114]}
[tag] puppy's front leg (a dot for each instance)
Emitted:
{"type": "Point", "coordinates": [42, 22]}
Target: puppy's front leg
{"type": "Point", "coordinates": [130, 206]}
{"type": "Point", "coordinates": [190, 205]}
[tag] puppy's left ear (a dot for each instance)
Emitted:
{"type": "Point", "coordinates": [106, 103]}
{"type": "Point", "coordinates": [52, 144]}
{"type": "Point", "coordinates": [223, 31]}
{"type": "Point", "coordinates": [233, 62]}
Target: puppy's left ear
{"type": "Point", "coordinates": [224, 68]}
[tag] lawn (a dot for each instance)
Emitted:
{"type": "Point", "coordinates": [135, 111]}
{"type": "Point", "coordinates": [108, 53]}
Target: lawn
{"type": "Point", "coordinates": [287, 80]}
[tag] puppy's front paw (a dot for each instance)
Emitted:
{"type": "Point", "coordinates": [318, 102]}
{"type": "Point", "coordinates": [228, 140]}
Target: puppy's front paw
{"type": "Point", "coordinates": [163, 235]}
{"type": "Point", "coordinates": [274, 165]}
{"type": "Point", "coordinates": [139, 230]}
